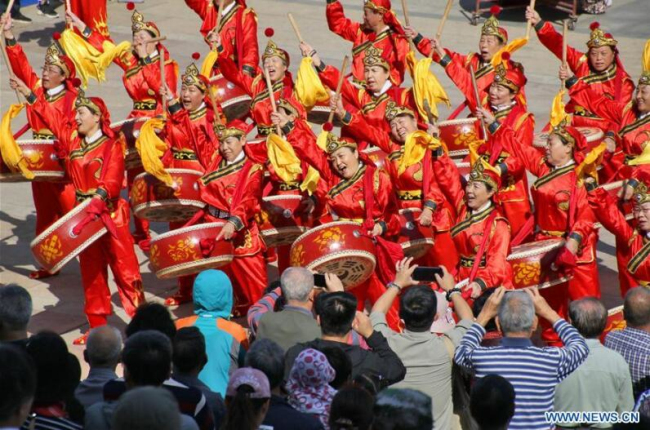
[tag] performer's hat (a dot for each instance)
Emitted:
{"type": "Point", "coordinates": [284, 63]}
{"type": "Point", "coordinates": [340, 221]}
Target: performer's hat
{"type": "Point", "coordinates": [272, 50]}
{"type": "Point", "coordinates": [393, 111]}
{"type": "Point", "coordinates": [192, 76]}
{"type": "Point", "coordinates": [288, 107]}
{"type": "Point", "coordinates": [374, 57]}
{"type": "Point", "coordinates": [335, 143]}
{"type": "Point", "coordinates": [570, 135]}
{"type": "Point", "coordinates": [598, 38]}
{"type": "Point", "coordinates": [641, 194]}
{"type": "Point", "coordinates": [54, 56]}
{"type": "Point", "coordinates": [236, 128]}
{"type": "Point", "coordinates": [645, 62]}
{"type": "Point", "coordinates": [491, 26]}
{"type": "Point", "coordinates": [138, 23]}
{"type": "Point", "coordinates": [482, 171]}
{"type": "Point", "coordinates": [510, 74]}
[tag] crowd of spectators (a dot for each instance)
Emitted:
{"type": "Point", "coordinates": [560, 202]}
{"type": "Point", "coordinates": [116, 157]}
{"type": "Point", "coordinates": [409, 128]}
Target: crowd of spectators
{"type": "Point", "coordinates": [317, 362]}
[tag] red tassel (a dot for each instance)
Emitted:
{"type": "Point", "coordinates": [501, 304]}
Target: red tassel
{"type": "Point", "coordinates": [609, 35]}
{"type": "Point", "coordinates": [594, 25]}
{"type": "Point", "coordinates": [505, 56]}
{"type": "Point", "coordinates": [388, 253]}
{"type": "Point", "coordinates": [328, 126]}
{"type": "Point", "coordinates": [76, 82]}
{"type": "Point", "coordinates": [196, 56]}
{"type": "Point", "coordinates": [130, 6]}
{"type": "Point", "coordinates": [496, 10]}
{"type": "Point", "coordinates": [269, 32]}
{"type": "Point", "coordinates": [56, 35]}
{"type": "Point", "coordinates": [207, 246]}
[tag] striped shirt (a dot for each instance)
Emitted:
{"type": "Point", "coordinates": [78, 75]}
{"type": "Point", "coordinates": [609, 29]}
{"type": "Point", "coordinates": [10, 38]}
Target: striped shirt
{"type": "Point", "coordinates": [534, 372]}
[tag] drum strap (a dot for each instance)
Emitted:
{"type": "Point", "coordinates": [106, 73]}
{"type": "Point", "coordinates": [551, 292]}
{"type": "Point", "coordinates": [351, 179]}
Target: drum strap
{"type": "Point", "coordinates": [481, 251]}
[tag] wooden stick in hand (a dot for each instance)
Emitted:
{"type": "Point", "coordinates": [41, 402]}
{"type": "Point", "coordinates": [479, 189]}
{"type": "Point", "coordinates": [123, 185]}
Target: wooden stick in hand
{"type": "Point", "coordinates": [339, 85]}
{"type": "Point", "coordinates": [161, 59]}
{"type": "Point", "coordinates": [294, 24]}
{"type": "Point", "coordinates": [5, 57]}
{"type": "Point", "coordinates": [218, 20]}
{"type": "Point", "coordinates": [215, 107]}
{"type": "Point", "coordinates": [407, 21]}
{"type": "Point", "coordinates": [529, 25]}
{"type": "Point", "coordinates": [443, 21]}
{"type": "Point", "coordinates": [478, 100]}
{"type": "Point", "coordinates": [565, 26]}
{"type": "Point", "coordinates": [9, 7]}
{"type": "Point", "coordinates": [430, 117]}
{"type": "Point", "coordinates": [269, 86]}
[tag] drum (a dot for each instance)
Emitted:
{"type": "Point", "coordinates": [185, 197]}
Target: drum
{"type": "Point", "coordinates": [278, 221]}
{"type": "Point", "coordinates": [378, 156]}
{"type": "Point", "coordinates": [57, 245]}
{"type": "Point", "coordinates": [531, 264]}
{"type": "Point", "coordinates": [458, 133]}
{"type": "Point", "coordinates": [593, 136]}
{"type": "Point", "coordinates": [130, 128]}
{"type": "Point", "coordinates": [233, 100]}
{"type": "Point", "coordinates": [41, 160]}
{"type": "Point", "coordinates": [463, 168]}
{"type": "Point", "coordinates": [338, 247]}
{"type": "Point", "coordinates": [615, 321]}
{"type": "Point", "coordinates": [179, 252]}
{"type": "Point", "coordinates": [152, 200]}
{"type": "Point", "coordinates": [414, 239]}
{"type": "Point", "coordinates": [320, 113]}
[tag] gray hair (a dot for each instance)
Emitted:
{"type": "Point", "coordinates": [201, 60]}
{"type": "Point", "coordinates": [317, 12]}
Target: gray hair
{"type": "Point", "coordinates": [516, 312]}
{"type": "Point", "coordinates": [297, 283]}
{"type": "Point", "coordinates": [144, 408]}
{"type": "Point", "coordinates": [636, 307]}
{"type": "Point", "coordinates": [589, 316]}
{"type": "Point", "coordinates": [15, 307]}
{"type": "Point", "coordinates": [104, 346]}
{"type": "Point", "coordinates": [267, 357]}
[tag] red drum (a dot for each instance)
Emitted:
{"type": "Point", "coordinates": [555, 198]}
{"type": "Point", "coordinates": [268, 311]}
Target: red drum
{"type": "Point", "coordinates": [179, 252]}
{"type": "Point", "coordinates": [57, 245]}
{"type": "Point", "coordinates": [41, 160]}
{"type": "Point", "coordinates": [379, 157]}
{"type": "Point", "coordinates": [320, 113]}
{"type": "Point", "coordinates": [234, 101]}
{"type": "Point", "coordinates": [152, 200]}
{"type": "Point", "coordinates": [593, 135]}
{"type": "Point", "coordinates": [414, 239]}
{"type": "Point", "coordinates": [463, 168]}
{"type": "Point", "coordinates": [459, 155]}
{"type": "Point", "coordinates": [130, 128]}
{"type": "Point", "coordinates": [531, 264]}
{"type": "Point", "coordinates": [338, 247]}
{"type": "Point", "coordinates": [459, 133]}
{"type": "Point", "coordinates": [278, 221]}
{"type": "Point", "coordinates": [615, 321]}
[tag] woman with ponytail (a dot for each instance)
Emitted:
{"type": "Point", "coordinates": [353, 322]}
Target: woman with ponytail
{"type": "Point", "coordinates": [247, 400]}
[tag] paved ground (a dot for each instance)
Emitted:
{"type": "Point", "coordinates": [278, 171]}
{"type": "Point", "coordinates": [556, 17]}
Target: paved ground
{"type": "Point", "coordinates": [58, 301]}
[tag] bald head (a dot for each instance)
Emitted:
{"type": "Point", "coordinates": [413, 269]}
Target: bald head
{"type": "Point", "coordinates": [297, 284]}
{"type": "Point", "coordinates": [636, 308]}
{"type": "Point", "coordinates": [103, 347]}
{"type": "Point", "coordinates": [588, 316]}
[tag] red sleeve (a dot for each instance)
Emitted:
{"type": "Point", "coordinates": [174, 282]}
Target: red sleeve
{"type": "Point", "coordinates": [339, 24]}
{"type": "Point", "coordinates": [21, 67]}
{"type": "Point", "coordinates": [303, 141]}
{"type": "Point", "coordinates": [602, 106]}
{"type": "Point", "coordinates": [552, 40]}
{"type": "Point", "coordinates": [56, 122]}
{"type": "Point", "coordinates": [434, 193]}
{"type": "Point", "coordinates": [359, 128]}
{"type": "Point", "coordinates": [605, 207]}
{"type": "Point", "coordinates": [497, 269]}
{"type": "Point", "coordinates": [250, 202]}
{"type": "Point", "coordinates": [251, 55]}
{"type": "Point", "coordinates": [383, 197]}
{"type": "Point", "coordinates": [234, 74]}
{"type": "Point", "coordinates": [461, 77]}
{"type": "Point", "coordinates": [330, 77]}
{"type": "Point", "coordinates": [527, 155]}
{"type": "Point", "coordinates": [198, 6]}
{"type": "Point", "coordinates": [151, 73]}
{"type": "Point", "coordinates": [424, 47]}
{"type": "Point", "coordinates": [448, 178]}
{"type": "Point", "coordinates": [585, 218]}
{"type": "Point", "coordinates": [112, 179]}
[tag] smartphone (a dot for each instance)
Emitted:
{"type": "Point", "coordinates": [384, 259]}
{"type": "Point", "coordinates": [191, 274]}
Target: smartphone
{"type": "Point", "coordinates": [319, 280]}
{"type": "Point", "coordinates": [427, 273]}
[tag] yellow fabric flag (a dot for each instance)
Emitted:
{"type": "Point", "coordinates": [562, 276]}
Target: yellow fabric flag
{"type": "Point", "coordinates": [321, 140]}
{"type": "Point", "coordinates": [151, 148]}
{"type": "Point", "coordinates": [645, 59]}
{"type": "Point", "coordinates": [511, 47]}
{"type": "Point", "coordinates": [425, 85]}
{"type": "Point", "coordinates": [415, 147]}
{"type": "Point", "coordinates": [473, 150]}
{"type": "Point", "coordinates": [310, 183]}
{"type": "Point", "coordinates": [309, 88]}
{"type": "Point", "coordinates": [558, 114]}
{"type": "Point", "coordinates": [589, 166]}
{"type": "Point", "coordinates": [286, 163]}
{"type": "Point", "coordinates": [643, 158]}
{"type": "Point", "coordinates": [88, 60]}
{"type": "Point", "coordinates": [209, 62]}
{"type": "Point", "coordinates": [11, 153]}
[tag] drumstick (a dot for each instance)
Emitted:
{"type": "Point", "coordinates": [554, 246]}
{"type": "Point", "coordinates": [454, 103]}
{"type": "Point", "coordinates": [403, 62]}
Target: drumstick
{"type": "Point", "coordinates": [339, 85]}
{"type": "Point", "coordinates": [162, 79]}
{"type": "Point", "coordinates": [218, 21]}
{"type": "Point", "coordinates": [269, 87]}
{"type": "Point", "coordinates": [443, 21]}
{"type": "Point", "coordinates": [529, 25]}
{"type": "Point", "coordinates": [157, 39]}
{"type": "Point", "coordinates": [8, 65]}
{"type": "Point", "coordinates": [213, 100]}
{"type": "Point", "coordinates": [295, 27]}
{"type": "Point", "coordinates": [478, 100]}
{"type": "Point", "coordinates": [427, 108]}
{"type": "Point", "coordinates": [564, 47]}
{"type": "Point", "coordinates": [406, 20]}
{"type": "Point", "coordinates": [9, 6]}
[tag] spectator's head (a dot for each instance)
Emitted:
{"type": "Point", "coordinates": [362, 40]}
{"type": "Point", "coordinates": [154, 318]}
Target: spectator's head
{"type": "Point", "coordinates": [308, 384]}
{"type": "Point", "coordinates": [402, 409]}
{"type": "Point", "coordinates": [636, 308]}
{"type": "Point", "coordinates": [145, 408]}
{"type": "Point", "coordinates": [152, 316]}
{"type": "Point", "coordinates": [15, 311]}
{"type": "Point", "coordinates": [298, 286]}
{"type": "Point", "coordinates": [267, 357]}
{"type": "Point", "coordinates": [373, 382]}
{"type": "Point", "coordinates": [351, 409]}
{"type": "Point", "coordinates": [418, 307]}
{"type": "Point", "coordinates": [340, 362]}
{"type": "Point", "coordinates": [189, 356]}
{"type": "Point", "coordinates": [18, 382]}
{"type": "Point", "coordinates": [588, 316]}
{"type": "Point", "coordinates": [492, 402]}
{"type": "Point", "coordinates": [478, 304]}
{"type": "Point", "coordinates": [280, 302]}
{"type": "Point", "coordinates": [247, 400]}
{"type": "Point", "coordinates": [103, 347]}
{"type": "Point", "coordinates": [58, 372]}
{"type": "Point", "coordinates": [213, 294]}
{"type": "Point", "coordinates": [516, 317]}
{"type": "Point", "coordinates": [336, 311]}
{"type": "Point", "coordinates": [147, 358]}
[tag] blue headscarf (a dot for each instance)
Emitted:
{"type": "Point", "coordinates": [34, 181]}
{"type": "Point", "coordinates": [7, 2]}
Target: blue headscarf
{"type": "Point", "coordinates": [213, 294]}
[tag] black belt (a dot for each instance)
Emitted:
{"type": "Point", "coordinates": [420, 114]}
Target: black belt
{"type": "Point", "coordinates": [180, 154]}
{"type": "Point", "coordinates": [146, 105]}
{"type": "Point", "coordinates": [469, 261]}
{"type": "Point", "coordinates": [289, 187]}
{"type": "Point", "coordinates": [43, 136]}
{"type": "Point", "coordinates": [265, 130]}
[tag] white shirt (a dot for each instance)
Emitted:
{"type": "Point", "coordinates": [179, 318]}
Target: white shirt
{"type": "Point", "coordinates": [56, 90]}
{"type": "Point", "coordinates": [228, 8]}
{"type": "Point", "coordinates": [385, 88]}
{"type": "Point", "coordinates": [153, 54]}
{"type": "Point", "coordinates": [200, 107]}
{"type": "Point", "coordinates": [237, 159]}
{"type": "Point", "coordinates": [643, 115]}
{"type": "Point", "coordinates": [503, 107]}
{"type": "Point", "coordinates": [483, 208]}
{"type": "Point", "coordinates": [94, 137]}
{"type": "Point", "coordinates": [570, 162]}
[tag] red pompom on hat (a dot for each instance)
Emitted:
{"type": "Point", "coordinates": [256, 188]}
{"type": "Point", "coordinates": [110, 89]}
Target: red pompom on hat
{"type": "Point", "coordinates": [505, 56]}
{"type": "Point", "coordinates": [56, 35]}
{"type": "Point", "coordinates": [594, 25]}
{"type": "Point", "coordinates": [269, 32]}
{"type": "Point", "coordinates": [496, 10]}
{"type": "Point", "coordinates": [130, 6]}
{"type": "Point", "coordinates": [196, 56]}
{"type": "Point", "coordinates": [328, 126]}
{"type": "Point", "coordinates": [609, 35]}
{"type": "Point", "coordinates": [76, 82]}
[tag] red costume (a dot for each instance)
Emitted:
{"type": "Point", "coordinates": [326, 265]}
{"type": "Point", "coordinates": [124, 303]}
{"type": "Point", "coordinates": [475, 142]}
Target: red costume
{"type": "Point", "coordinates": [233, 191]}
{"type": "Point", "coordinates": [52, 200]}
{"type": "Point", "coordinates": [237, 31]}
{"type": "Point", "coordinates": [96, 166]}
{"type": "Point", "coordinates": [391, 40]}
{"type": "Point", "coordinates": [93, 13]}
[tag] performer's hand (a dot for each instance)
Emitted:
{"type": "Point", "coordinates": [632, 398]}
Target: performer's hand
{"type": "Point", "coordinates": [426, 217]}
{"type": "Point", "coordinates": [572, 245]}
{"type": "Point", "coordinates": [227, 232]}
{"type": "Point", "coordinates": [611, 144]}
{"type": "Point", "coordinates": [410, 32]}
{"type": "Point", "coordinates": [532, 16]}
{"type": "Point", "coordinates": [308, 51]}
{"type": "Point", "coordinates": [542, 308]}
{"type": "Point", "coordinates": [336, 103]}
{"type": "Point", "coordinates": [565, 72]}
{"type": "Point", "coordinates": [333, 284]}
{"type": "Point", "coordinates": [141, 49]}
{"type": "Point", "coordinates": [404, 273]}
{"type": "Point", "coordinates": [491, 307]}
{"type": "Point", "coordinates": [307, 206]}
{"type": "Point", "coordinates": [214, 38]}
{"type": "Point", "coordinates": [377, 230]}
{"type": "Point", "coordinates": [626, 192]}
{"type": "Point", "coordinates": [446, 281]}
{"type": "Point", "coordinates": [590, 180]}
{"type": "Point", "coordinates": [71, 18]}
{"type": "Point", "coordinates": [279, 118]}
{"type": "Point", "coordinates": [433, 130]}
{"type": "Point", "coordinates": [362, 325]}
{"type": "Point", "coordinates": [16, 84]}
{"type": "Point", "coordinates": [6, 23]}
{"type": "Point", "coordinates": [166, 92]}
{"type": "Point", "coordinates": [437, 47]}
{"type": "Point", "coordinates": [485, 114]}
{"type": "Point", "coordinates": [475, 288]}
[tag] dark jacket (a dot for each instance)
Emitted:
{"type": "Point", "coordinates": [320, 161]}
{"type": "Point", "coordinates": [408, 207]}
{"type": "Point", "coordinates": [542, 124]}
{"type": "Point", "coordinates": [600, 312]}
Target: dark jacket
{"type": "Point", "coordinates": [281, 416]}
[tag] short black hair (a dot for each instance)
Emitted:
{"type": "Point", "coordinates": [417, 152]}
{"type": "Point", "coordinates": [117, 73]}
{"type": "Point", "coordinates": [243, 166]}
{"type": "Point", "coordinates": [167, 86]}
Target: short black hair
{"type": "Point", "coordinates": [340, 362]}
{"type": "Point", "coordinates": [371, 381]}
{"type": "Point", "coordinates": [477, 307]}
{"type": "Point", "coordinates": [268, 357]}
{"type": "Point", "coordinates": [492, 402]}
{"type": "Point", "coordinates": [17, 379]}
{"type": "Point", "coordinates": [418, 307]}
{"type": "Point", "coordinates": [189, 350]}
{"type": "Point", "coordinates": [336, 312]}
{"type": "Point", "coordinates": [15, 307]}
{"type": "Point", "coordinates": [589, 316]}
{"type": "Point", "coordinates": [402, 409]}
{"type": "Point", "coordinates": [152, 316]}
{"type": "Point", "coordinates": [351, 409]}
{"type": "Point", "coordinates": [147, 356]}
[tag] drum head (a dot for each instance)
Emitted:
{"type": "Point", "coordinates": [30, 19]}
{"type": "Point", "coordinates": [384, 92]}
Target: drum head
{"type": "Point", "coordinates": [168, 210]}
{"type": "Point", "coordinates": [283, 236]}
{"type": "Point", "coordinates": [352, 267]}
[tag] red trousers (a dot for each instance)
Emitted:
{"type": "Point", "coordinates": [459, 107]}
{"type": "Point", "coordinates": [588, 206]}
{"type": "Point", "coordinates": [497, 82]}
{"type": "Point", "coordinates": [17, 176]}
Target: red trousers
{"type": "Point", "coordinates": [52, 200]}
{"type": "Point", "coordinates": [372, 290]}
{"type": "Point", "coordinates": [249, 279]}
{"type": "Point", "coordinates": [119, 254]}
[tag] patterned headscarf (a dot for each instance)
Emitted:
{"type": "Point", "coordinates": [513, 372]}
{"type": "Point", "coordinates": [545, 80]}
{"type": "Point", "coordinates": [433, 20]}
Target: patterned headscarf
{"type": "Point", "coordinates": [308, 384]}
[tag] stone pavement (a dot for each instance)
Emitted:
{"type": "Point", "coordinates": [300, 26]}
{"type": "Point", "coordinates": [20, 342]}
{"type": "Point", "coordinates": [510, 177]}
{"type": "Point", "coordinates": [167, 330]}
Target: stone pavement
{"type": "Point", "coordinates": [58, 301]}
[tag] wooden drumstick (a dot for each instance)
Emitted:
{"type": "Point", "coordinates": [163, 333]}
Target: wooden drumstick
{"type": "Point", "coordinates": [161, 59]}
{"type": "Point", "coordinates": [5, 57]}
{"type": "Point", "coordinates": [339, 86]}
{"type": "Point", "coordinates": [157, 39]}
{"type": "Point", "coordinates": [430, 116]}
{"type": "Point", "coordinates": [269, 86]}
{"type": "Point", "coordinates": [407, 21]}
{"type": "Point", "coordinates": [295, 27]}
{"type": "Point", "coordinates": [9, 6]}
{"type": "Point", "coordinates": [478, 100]}
{"type": "Point", "coordinates": [215, 107]}
{"type": "Point", "coordinates": [565, 26]}
{"type": "Point", "coordinates": [218, 20]}
{"type": "Point", "coordinates": [443, 21]}
{"type": "Point", "coordinates": [529, 25]}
